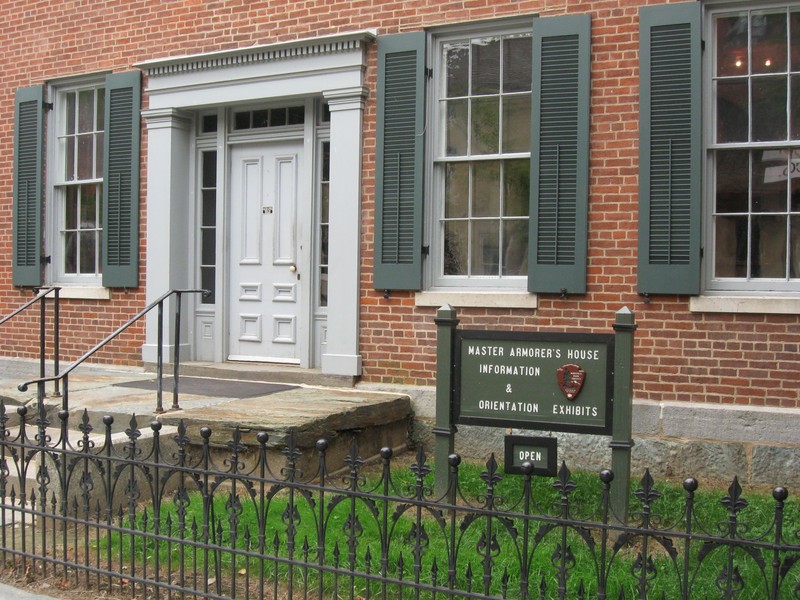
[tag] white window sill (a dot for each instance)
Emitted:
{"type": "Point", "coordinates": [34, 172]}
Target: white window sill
{"type": "Point", "coordinates": [84, 292]}
{"type": "Point", "coordinates": [472, 299]}
{"type": "Point", "coordinates": [777, 305]}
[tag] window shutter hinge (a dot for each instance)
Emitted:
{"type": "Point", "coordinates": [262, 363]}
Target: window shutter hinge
{"type": "Point", "coordinates": [702, 45]}
{"type": "Point", "coordinates": [426, 250]}
{"type": "Point", "coordinates": [46, 260]}
{"type": "Point", "coordinates": [47, 105]}
{"type": "Point", "coordinates": [428, 72]}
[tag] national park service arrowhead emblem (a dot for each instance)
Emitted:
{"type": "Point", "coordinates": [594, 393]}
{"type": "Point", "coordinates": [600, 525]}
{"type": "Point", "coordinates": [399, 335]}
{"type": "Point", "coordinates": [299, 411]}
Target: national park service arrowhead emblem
{"type": "Point", "coordinates": [570, 380]}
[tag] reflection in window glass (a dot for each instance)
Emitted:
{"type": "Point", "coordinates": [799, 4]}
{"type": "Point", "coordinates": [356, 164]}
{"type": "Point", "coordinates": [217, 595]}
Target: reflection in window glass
{"type": "Point", "coordinates": [756, 166]}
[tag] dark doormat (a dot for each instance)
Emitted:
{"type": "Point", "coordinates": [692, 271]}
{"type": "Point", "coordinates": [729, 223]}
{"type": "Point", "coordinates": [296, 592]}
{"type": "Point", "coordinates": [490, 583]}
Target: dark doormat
{"type": "Point", "coordinates": [219, 388]}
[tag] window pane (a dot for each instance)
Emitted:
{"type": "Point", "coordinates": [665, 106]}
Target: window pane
{"type": "Point", "coordinates": [278, 117]}
{"type": "Point", "coordinates": [456, 190]}
{"type": "Point", "coordinates": [71, 205]}
{"type": "Point", "coordinates": [794, 107]}
{"type": "Point", "coordinates": [241, 120]}
{"type": "Point", "coordinates": [770, 180]}
{"type": "Point", "coordinates": [209, 247]}
{"type": "Point", "coordinates": [486, 189]}
{"type": "Point", "coordinates": [730, 247]}
{"type": "Point", "coordinates": [209, 167]}
{"type": "Point", "coordinates": [456, 244]}
{"type": "Point", "coordinates": [732, 111]}
{"type": "Point", "coordinates": [517, 188]}
{"type": "Point", "coordinates": [69, 158]}
{"type": "Point", "coordinates": [208, 282]}
{"type": "Point", "coordinates": [85, 156]}
{"type": "Point", "coordinates": [769, 109]}
{"type": "Point", "coordinates": [456, 136]}
{"type": "Point", "coordinates": [323, 250]}
{"type": "Point", "coordinates": [297, 115]}
{"type": "Point", "coordinates": [323, 286]}
{"type": "Point", "coordinates": [769, 42]}
{"type": "Point", "coordinates": [794, 247]}
{"type": "Point", "coordinates": [732, 45]}
{"type": "Point", "coordinates": [100, 140]}
{"type": "Point", "coordinates": [325, 203]}
{"type": "Point", "coordinates": [88, 207]}
{"type": "Point", "coordinates": [517, 123]}
{"type": "Point", "coordinates": [209, 211]}
{"type": "Point", "coordinates": [456, 60]}
{"type": "Point", "coordinates": [515, 247]}
{"type": "Point", "coordinates": [769, 247]}
{"type": "Point", "coordinates": [71, 252]}
{"type": "Point", "coordinates": [733, 181]}
{"type": "Point", "coordinates": [70, 113]}
{"type": "Point", "coordinates": [209, 124]}
{"type": "Point", "coordinates": [88, 248]}
{"type": "Point", "coordinates": [486, 247]}
{"type": "Point", "coordinates": [517, 64]}
{"type": "Point", "coordinates": [86, 111]}
{"type": "Point", "coordinates": [794, 169]}
{"type": "Point", "coordinates": [794, 24]}
{"type": "Point", "coordinates": [486, 66]}
{"type": "Point", "coordinates": [485, 125]}
{"type": "Point", "coordinates": [261, 118]}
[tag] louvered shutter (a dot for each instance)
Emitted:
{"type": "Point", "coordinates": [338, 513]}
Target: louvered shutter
{"type": "Point", "coordinates": [28, 131]}
{"type": "Point", "coordinates": [399, 162]}
{"type": "Point", "coordinates": [559, 155]}
{"type": "Point", "coordinates": [670, 149]}
{"type": "Point", "coordinates": [121, 180]}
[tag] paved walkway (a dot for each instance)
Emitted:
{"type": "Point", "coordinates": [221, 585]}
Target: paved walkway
{"type": "Point", "coordinates": [8, 592]}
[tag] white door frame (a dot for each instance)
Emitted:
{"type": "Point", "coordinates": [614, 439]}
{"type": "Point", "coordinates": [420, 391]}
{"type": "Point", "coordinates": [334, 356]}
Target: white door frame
{"type": "Point", "coordinates": [329, 67]}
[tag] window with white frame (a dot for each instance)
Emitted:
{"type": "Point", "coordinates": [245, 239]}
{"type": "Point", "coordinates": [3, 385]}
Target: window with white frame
{"type": "Point", "coordinates": [754, 150]}
{"type": "Point", "coordinates": [76, 252]}
{"type": "Point", "coordinates": [482, 159]}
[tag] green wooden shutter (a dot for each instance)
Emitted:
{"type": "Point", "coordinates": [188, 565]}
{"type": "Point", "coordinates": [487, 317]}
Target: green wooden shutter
{"type": "Point", "coordinates": [28, 132]}
{"type": "Point", "coordinates": [399, 162]}
{"type": "Point", "coordinates": [670, 149]}
{"type": "Point", "coordinates": [121, 180]}
{"type": "Point", "coordinates": [559, 155]}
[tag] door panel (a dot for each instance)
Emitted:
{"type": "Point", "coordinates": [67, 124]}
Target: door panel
{"type": "Point", "coordinates": [265, 315]}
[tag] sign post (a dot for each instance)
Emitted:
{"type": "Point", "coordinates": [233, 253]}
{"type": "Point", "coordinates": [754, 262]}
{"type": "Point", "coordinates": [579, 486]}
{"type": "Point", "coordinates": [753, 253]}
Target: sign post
{"type": "Point", "coordinates": [444, 430]}
{"type": "Point", "coordinates": [621, 442]}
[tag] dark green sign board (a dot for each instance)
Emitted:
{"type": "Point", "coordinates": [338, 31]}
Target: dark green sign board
{"type": "Point", "coordinates": [550, 381]}
{"type": "Point", "coordinates": [540, 452]}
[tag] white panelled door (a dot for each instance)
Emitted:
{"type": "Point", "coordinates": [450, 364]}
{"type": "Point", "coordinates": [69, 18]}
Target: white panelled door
{"type": "Point", "coordinates": [266, 321]}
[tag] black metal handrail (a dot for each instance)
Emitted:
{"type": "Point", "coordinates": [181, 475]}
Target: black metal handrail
{"type": "Point", "coordinates": [43, 292]}
{"type": "Point", "coordinates": [63, 376]}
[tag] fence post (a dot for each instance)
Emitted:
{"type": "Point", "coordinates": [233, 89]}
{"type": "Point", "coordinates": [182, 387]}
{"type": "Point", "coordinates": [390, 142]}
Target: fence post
{"type": "Point", "coordinates": [444, 430]}
{"type": "Point", "coordinates": [621, 442]}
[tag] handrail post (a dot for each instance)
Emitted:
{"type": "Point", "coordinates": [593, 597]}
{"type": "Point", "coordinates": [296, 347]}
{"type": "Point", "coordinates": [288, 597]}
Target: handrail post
{"type": "Point", "coordinates": [160, 358]}
{"type": "Point", "coordinates": [176, 366]}
{"type": "Point", "coordinates": [42, 340]}
{"type": "Point", "coordinates": [56, 340]}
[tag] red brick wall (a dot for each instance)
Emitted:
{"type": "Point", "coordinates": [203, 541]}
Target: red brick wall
{"type": "Point", "coordinates": [721, 358]}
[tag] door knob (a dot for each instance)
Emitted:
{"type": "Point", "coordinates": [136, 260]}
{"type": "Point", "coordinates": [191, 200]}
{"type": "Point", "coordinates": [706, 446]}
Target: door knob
{"type": "Point", "coordinates": [293, 268]}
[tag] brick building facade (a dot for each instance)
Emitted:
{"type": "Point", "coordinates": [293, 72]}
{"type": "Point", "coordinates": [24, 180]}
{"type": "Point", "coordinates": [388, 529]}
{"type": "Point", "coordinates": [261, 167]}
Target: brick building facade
{"type": "Point", "coordinates": [525, 183]}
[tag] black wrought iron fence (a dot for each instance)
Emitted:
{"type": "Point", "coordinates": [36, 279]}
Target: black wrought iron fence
{"type": "Point", "coordinates": [155, 512]}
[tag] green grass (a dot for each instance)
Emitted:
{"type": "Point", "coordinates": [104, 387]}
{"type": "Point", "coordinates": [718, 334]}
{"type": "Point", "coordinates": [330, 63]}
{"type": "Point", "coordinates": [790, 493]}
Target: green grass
{"type": "Point", "coordinates": [478, 545]}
